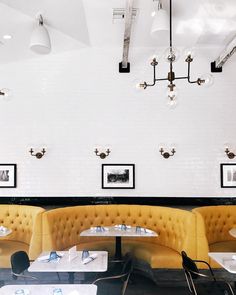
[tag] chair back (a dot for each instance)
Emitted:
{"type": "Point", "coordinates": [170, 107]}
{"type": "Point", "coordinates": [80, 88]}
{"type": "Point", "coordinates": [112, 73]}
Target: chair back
{"type": "Point", "coordinates": [189, 265]}
{"type": "Point", "coordinates": [19, 263]}
{"type": "Point", "coordinates": [128, 264]}
{"type": "Point", "coordinates": [116, 283]}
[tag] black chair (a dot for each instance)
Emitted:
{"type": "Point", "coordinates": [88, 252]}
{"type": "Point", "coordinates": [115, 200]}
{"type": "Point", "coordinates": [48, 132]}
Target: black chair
{"type": "Point", "coordinates": [209, 284]}
{"type": "Point", "coordinates": [19, 264]}
{"type": "Point", "coordinates": [116, 281]}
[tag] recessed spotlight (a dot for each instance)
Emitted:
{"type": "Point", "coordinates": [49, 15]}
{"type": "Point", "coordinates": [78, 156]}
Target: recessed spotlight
{"type": "Point", "coordinates": [7, 37]}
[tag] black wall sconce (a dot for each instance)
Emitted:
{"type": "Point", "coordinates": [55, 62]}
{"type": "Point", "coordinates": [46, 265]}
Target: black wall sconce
{"type": "Point", "coordinates": [38, 155]}
{"type": "Point", "coordinates": [102, 155]}
{"type": "Point", "coordinates": [166, 155]}
{"type": "Point", "coordinates": [229, 154]}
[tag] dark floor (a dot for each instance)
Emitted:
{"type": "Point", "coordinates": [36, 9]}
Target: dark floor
{"type": "Point", "coordinates": [166, 283]}
{"type": "Point", "coordinates": [138, 285]}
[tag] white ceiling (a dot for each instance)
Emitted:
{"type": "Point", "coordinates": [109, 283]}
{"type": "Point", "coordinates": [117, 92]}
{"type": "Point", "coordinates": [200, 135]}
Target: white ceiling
{"type": "Point", "coordinates": [76, 24]}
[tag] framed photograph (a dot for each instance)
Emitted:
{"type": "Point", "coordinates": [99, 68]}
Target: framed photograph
{"type": "Point", "coordinates": [118, 176]}
{"type": "Point", "coordinates": [7, 175]}
{"type": "Point", "coordinates": [228, 175]}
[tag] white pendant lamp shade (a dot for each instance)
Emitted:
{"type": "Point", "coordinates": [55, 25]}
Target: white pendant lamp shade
{"type": "Point", "coordinates": [40, 40]}
{"type": "Point", "coordinates": [160, 22]}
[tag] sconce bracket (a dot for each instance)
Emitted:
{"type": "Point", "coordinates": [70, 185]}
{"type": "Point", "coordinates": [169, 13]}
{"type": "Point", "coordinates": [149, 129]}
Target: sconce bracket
{"type": "Point", "coordinates": [38, 155]}
{"type": "Point", "coordinates": [229, 154]}
{"type": "Point", "coordinates": [102, 155]}
{"type": "Point", "coordinates": [166, 155]}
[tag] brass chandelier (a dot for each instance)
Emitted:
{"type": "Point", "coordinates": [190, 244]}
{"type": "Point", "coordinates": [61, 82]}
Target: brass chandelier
{"type": "Point", "coordinates": [171, 56]}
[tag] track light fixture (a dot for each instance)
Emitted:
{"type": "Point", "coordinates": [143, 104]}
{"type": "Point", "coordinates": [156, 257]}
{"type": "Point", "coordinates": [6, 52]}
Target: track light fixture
{"type": "Point", "coordinates": [40, 40]}
{"type": "Point", "coordinates": [171, 55]}
{"type": "Point", "coordinates": [160, 19]}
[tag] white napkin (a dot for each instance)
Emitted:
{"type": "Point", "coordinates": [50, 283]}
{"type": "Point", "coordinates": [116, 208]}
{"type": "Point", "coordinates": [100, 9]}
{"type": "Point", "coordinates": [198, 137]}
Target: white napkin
{"type": "Point", "coordinates": [94, 229]}
{"type": "Point", "coordinates": [120, 226]}
{"type": "Point", "coordinates": [234, 257]}
{"type": "Point", "coordinates": [3, 228]}
{"type": "Point", "coordinates": [90, 258]}
{"type": "Point", "coordinates": [146, 230]}
{"type": "Point", "coordinates": [43, 258]}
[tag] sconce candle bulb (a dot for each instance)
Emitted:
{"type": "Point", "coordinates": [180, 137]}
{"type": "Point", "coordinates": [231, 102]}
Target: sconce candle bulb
{"type": "Point", "coordinates": [5, 92]}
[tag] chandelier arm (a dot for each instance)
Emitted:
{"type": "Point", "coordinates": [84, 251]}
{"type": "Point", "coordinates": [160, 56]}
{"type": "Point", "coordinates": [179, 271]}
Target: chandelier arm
{"type": "Point", "coordinates": [154, 76]}
{"type": "Point", "coordinates": [162, 79]}
{"type": "Point", "coordinates": [170, 24]}
{"type": "Point", "coordinates": [189, 80]}
{"type": "Point", "coordinates": [178, 78]}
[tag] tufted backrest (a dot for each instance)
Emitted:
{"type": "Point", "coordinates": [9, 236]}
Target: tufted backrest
{"type": "Point", "coordinates": [175, 227]}
{"type": "Point", "coordinates": [26, 225]}
{"type": "Point", "coordinates": [216, 221]}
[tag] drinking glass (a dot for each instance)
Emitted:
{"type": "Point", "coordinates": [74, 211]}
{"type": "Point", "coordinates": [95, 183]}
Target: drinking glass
{"type": "Point", "coordinates": [53, 255]}
{"type": "Point", "coordinates": [99, 228]}
{"type": "Point", "coordinates": [138, 229]}
{"type": "Point", "coordinates": [123, 227]}
{"type": "Point", "coordinates": [85, 254]}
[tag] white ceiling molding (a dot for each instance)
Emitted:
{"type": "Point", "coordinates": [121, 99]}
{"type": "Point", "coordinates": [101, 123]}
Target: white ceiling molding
{"type": "Point", "coordinates": [124, 66]}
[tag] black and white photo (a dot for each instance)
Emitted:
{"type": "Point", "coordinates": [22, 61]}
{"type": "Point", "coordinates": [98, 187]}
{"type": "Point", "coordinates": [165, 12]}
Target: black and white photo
{"type": "Point", "coordinates": [7, 175]}
{"type": "Point", "coordinates": [228, 175]}
{"type": "Point", "coordinates": [118, 176]}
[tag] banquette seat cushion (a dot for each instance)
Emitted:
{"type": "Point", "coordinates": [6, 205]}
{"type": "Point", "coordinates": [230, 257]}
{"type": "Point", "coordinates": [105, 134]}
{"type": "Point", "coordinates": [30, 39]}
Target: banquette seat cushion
{"type": "Point", "coordinates": [26, 225]}
{"type": "Point", "coordinates": [175, 228]}
{"type": "Point", "coordinates": [213, 225]}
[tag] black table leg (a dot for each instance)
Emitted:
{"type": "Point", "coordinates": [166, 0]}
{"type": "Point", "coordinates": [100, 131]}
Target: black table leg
{"type": "Point", "coordinates": [71, 277]}
{"type": "Point", "coordinates": [118, 252]}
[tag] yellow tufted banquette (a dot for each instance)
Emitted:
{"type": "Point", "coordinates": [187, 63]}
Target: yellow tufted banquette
{"type": "Point", "coordinates": [26, 225]}
{"type": "Point", "coordinates": [213, 225]}
{"type": "Point", "coordinates": [175, 227]}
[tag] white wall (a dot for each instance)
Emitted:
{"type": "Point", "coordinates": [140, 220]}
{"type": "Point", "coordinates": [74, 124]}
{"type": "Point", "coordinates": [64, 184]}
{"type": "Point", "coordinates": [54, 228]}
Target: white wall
{"type": "Point", "coordinates": [75, 101]}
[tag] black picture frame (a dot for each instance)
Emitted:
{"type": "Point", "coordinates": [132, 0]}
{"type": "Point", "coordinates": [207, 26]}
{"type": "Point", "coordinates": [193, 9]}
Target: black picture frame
{"type": "Point", "coordinates": [228, 175]}
{"type": "Point", "coordinates": [8, 175]}
{"type": "Point", "coordinates": [118, 176]}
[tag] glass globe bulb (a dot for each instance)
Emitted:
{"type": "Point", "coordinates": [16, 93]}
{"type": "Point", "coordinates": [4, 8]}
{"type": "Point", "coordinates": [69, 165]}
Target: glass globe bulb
{"type": "Point", "coordinates": [6, 93]}
{"type": "Point", "coordinates": [172, 97]}
{"type": "Point", "coordinates": [190, 51]}
{"type": "Point", "coordinates": [139, 86]}
{"type": "Point", "coordinates": [153, 57]}
{"type": "Point", "coordinates": [171, 54]}
{"type": "Point", "coordinates": [206, 80]}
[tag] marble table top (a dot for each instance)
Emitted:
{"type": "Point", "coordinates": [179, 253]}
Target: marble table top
{"type": "Point", "coordinates": [226, 259]}
{"type": "Point", "coordinates": [65, 264]}
{"type": "Point", "coordinates": [117, 231]}
{"type": "Point", "coordinates": [67, 289]}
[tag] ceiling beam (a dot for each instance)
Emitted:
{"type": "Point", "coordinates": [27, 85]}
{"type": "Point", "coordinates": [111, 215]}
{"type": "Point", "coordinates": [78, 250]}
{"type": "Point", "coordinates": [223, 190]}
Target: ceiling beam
{"type": "Point", "coordinates": [230, 49]}
{"type": "Point", "coordinates": [124, 65]}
